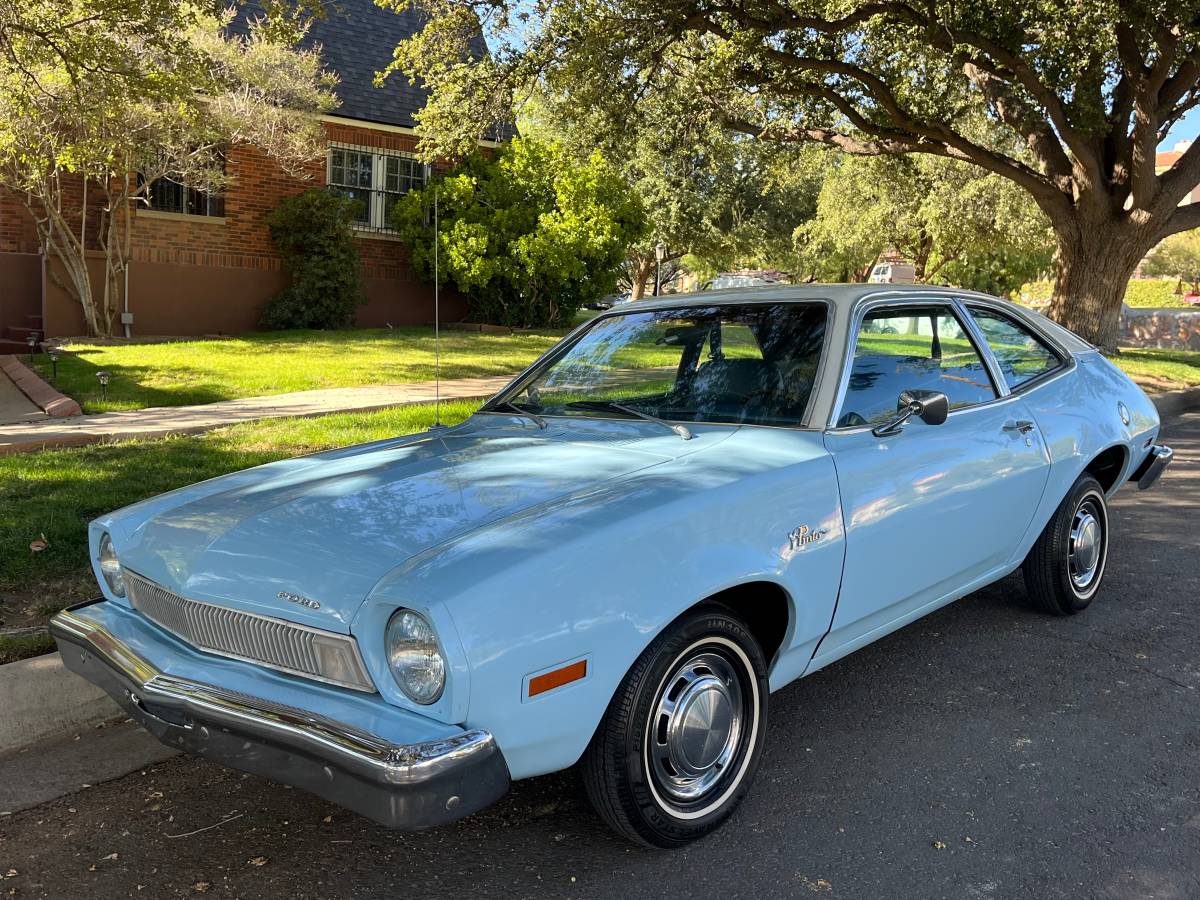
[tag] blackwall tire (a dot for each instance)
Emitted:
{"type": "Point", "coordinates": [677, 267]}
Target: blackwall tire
{"type": "Point", "coordinates": [1065, 568]}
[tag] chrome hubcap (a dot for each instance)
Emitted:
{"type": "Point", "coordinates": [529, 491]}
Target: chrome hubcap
{"type": "Point", "coordinates": [1087, 545]}
{"type": "Point", "coordinates": [696, 725]}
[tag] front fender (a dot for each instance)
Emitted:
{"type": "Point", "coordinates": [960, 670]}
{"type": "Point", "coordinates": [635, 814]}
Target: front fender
{"type": "Point", "coordinates": [596, 577]}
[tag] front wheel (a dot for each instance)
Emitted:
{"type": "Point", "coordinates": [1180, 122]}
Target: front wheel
{"type": "Point", "coordinates": [681, 740]}
{"type": "Point", "coordinates": [1064, 569]}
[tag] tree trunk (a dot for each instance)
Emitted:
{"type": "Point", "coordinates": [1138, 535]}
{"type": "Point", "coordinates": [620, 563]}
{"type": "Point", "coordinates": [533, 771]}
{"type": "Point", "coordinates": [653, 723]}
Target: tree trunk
{"type": "Point", "coordinates": [1093, 272]}
{"type": "Point", "coordinates": [921, 258]}
{"type": "Point", "coordinates": [641, 268]}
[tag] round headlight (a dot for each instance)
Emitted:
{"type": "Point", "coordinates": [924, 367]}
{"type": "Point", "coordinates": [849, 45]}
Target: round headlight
{"type": "Point", "coordinates": [110, 566]}
{"type": "Point", "coordinates": [415, 657]}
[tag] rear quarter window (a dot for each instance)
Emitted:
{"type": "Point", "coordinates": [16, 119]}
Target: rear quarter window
{"type": "Point", "coordinates": [1022, 355]}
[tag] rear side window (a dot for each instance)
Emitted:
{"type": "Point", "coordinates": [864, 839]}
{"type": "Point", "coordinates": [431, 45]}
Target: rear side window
{"type": "Point", "coordinates": [914, 348]}
{"type": "Point", "coordinates": [1021, 354]}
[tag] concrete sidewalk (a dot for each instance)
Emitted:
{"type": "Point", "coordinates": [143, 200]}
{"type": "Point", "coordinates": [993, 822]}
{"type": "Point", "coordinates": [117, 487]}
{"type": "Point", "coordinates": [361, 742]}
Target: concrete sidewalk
{"type": "Point", "coordinates": [23, 437]}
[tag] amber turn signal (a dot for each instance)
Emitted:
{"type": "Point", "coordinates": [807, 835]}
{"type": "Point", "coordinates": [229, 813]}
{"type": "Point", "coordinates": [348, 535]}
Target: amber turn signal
{"type": "Point", "coordinates": [548, 681]}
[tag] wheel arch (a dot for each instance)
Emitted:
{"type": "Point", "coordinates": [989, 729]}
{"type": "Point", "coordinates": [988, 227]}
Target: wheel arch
{"type": "Point", "coordinates": [766, 608]}
{"type": "Point", "coordinates": [1108, 466]}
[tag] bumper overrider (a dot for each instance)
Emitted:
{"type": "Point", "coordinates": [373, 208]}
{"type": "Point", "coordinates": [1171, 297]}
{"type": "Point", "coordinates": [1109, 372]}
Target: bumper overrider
{"type": "Point", "coordinates": [1153, 466]}
{"type": "Point", "coordinates": [406, 786]}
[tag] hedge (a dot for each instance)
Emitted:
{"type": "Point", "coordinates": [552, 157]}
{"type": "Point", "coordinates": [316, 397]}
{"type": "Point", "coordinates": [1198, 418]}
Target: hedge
{"type": "Point", "coordinates": [1142, 292]}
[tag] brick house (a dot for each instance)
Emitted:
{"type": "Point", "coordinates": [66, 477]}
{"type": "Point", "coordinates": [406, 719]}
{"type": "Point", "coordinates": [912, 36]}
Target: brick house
{"type": "Point", "coordinates": [204, 264]}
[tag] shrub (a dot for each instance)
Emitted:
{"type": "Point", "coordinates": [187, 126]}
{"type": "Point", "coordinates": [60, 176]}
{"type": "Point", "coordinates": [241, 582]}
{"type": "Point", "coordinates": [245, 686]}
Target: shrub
{"type": "Point", "coordinates": [1141, 292]}
{"type": "Point", "coordinates": [314, 233]}
{"type": "Point", "coordinates": [1154, 292]}
{"type": "Point", "coordinates": [529, 234]}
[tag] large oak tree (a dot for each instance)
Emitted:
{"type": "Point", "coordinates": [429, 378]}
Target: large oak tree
{"type": "Point", "coordinates": [1087, 88]}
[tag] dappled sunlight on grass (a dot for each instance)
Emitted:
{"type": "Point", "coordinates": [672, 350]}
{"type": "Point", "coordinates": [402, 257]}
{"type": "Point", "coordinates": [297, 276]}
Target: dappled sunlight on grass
{"type": "Point", "coordinates": [1161, 369]}
{"type": "Point", "coordinates": [204, 371]}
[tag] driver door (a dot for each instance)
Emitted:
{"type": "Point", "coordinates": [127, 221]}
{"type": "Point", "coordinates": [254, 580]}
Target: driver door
{"type": "Point", "coordinates": [933, 510]}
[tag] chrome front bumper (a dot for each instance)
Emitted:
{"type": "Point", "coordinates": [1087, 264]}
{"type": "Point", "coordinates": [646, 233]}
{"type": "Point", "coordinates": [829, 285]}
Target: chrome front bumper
{"type": "Point", "coordinates": [1152, 466]}
{"type": "Point", "coordinates": [406, 786]}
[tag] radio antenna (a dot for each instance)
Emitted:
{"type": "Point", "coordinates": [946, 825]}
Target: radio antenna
{"type": "Point", "coordinates": [437, 322]}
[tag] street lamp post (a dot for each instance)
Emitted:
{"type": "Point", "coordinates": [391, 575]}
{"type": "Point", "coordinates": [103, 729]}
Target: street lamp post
{"type": "Point", "coordinates": [660, 253]}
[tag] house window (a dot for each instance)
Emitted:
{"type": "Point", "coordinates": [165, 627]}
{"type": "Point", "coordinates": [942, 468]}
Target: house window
{"type": "Point", "coordinates": [168, 195]}
{"type": "Point", "coordinates": [375, 180]}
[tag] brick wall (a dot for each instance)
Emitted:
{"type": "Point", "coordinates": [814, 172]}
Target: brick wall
{"type": "Point", "coordinates": [184, 267]}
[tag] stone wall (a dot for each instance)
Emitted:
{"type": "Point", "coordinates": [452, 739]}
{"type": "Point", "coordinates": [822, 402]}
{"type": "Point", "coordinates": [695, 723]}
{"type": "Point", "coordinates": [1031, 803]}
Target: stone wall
{"type": "Point", "coordinates": [1164, 328]}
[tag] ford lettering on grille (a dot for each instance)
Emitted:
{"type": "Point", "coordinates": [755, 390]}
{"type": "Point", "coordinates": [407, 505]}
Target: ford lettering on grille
{"type": "Point", "coordinates": [260, 639]}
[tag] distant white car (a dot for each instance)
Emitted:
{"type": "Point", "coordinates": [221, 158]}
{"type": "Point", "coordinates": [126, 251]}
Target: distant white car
{"type": "Point", "coordinates": [893, 273]}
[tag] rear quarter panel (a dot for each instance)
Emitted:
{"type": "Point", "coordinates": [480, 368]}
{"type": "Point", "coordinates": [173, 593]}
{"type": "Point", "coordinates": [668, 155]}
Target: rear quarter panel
{"type": "Point", "coordinates": [1079, 417]}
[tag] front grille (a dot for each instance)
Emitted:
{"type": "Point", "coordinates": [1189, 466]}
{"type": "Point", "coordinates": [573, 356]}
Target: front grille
{"type": "Point", "coordinates": [259, 639]}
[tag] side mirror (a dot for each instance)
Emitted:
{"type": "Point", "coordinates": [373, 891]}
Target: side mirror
{"type": "Point", "coordinates": [931, 407]}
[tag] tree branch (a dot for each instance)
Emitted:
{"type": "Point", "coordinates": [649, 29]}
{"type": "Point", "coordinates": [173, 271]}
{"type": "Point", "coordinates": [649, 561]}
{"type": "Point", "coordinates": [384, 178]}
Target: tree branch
{"type": "Point", "coordinates": [1185, 218]}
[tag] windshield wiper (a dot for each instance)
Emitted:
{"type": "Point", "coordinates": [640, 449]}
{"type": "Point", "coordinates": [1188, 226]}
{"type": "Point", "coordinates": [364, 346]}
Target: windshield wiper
{"type": "Point", "coordinates": [520, 411]}
{"type": "Point", "coordinates": [680, 430]}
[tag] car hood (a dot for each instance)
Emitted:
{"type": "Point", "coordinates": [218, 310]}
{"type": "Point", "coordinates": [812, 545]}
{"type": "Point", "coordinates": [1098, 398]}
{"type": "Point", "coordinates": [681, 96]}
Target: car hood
{"type": "Point", "coordinates": [326, 528]}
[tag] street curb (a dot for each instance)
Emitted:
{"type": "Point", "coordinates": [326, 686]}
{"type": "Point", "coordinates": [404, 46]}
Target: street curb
{"type": "Point", "coordinates": [1172, 403]}
{"type": "Point", "coordinates": [52, 402]}
{"type": "Point", "coordinates": [42, 699]}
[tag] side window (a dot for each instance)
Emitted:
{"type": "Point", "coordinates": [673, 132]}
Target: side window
{"type": "Point", "coordinates": [1022, 356]}
{"type": "Point", "coordinates": [914, 348]}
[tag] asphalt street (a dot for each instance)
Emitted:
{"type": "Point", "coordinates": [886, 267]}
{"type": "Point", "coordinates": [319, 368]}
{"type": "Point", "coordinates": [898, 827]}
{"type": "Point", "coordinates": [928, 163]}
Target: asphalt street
{"type": "Point", "coordinates": [985, 751]}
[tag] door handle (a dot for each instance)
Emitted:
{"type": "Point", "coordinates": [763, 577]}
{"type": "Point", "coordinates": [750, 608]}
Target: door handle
{"type": "Point", "coordinates": [1024, 426]}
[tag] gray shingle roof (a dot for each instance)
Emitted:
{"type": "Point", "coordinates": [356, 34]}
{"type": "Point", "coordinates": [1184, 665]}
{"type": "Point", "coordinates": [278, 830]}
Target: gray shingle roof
{"type": "Point", "coordinates": [357, 38]}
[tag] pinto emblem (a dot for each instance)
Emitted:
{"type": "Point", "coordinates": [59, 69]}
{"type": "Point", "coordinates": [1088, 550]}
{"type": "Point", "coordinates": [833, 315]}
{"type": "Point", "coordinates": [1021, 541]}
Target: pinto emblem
{"type": "Point", "coordinates": [800, 537]}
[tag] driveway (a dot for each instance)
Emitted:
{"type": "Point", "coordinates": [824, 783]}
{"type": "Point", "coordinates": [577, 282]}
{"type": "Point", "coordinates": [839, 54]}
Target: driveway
{"type": "Point", "coordinates": [985, 751]}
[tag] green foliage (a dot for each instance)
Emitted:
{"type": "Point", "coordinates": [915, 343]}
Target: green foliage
{"type": "Point", "coordinates": [314, 233]}
{"type": "Point", "coordinates": [723, 200]}
{"type": "Point", "coordinates": [529, 235]}
{"type": "Point", "coordinates": [955, 222]}
{"type": "Point", "coordinates": [1177, 257]}
{"type": "Point", "coordinates": [1152, 293]}
{"type": "Point", "coordinates": [1075, 96]}
{"type": "Point", "coordinates": [999, 270]}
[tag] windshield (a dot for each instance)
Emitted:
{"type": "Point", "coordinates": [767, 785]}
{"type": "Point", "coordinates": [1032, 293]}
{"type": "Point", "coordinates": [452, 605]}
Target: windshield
{"type": "Point", "coordinates": [752, 364]}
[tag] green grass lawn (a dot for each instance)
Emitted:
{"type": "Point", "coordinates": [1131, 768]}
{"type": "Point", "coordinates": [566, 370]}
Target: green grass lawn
{"type": "Point", "coordinates": [1161, 370]}
{"type": "Point", "coordinates": [57, 492]}
{"type": "Point", "coordinates": [251, 365]}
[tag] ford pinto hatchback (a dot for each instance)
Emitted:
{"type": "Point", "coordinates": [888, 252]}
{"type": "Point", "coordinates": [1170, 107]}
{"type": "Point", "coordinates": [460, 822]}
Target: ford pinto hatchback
{"type": "Point", "coordinates": [678, 510]}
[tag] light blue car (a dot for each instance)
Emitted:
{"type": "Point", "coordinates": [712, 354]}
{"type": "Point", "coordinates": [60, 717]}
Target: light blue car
{"type": "Point", "coordinates": [681, 508]}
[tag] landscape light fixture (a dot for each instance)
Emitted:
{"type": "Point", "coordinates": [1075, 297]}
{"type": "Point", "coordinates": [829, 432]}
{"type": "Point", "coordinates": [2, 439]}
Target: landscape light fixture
{"type": "Point", "coordinates": [103, 376]}
{"type": "Point", "coordinates": [32, 341]}
{"type": "Point", "coordinates": [54, 353]}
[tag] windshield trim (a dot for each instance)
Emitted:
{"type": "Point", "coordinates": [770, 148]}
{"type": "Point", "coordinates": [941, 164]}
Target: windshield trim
{"type": "Point", "coordinates": [564, 346]}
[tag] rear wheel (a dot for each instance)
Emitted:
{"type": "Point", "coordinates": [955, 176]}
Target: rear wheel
{"type": "Point", "coordinates": [681, 740]}
{"type": "Point", "coordinates": [1065, 568]}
